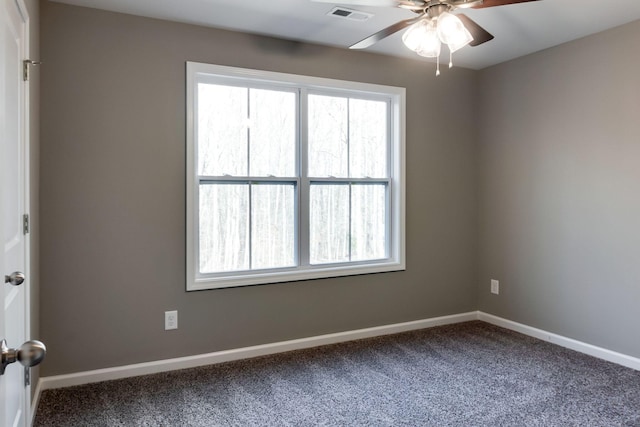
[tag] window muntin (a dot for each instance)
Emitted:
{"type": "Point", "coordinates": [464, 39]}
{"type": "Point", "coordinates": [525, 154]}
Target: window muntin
{"type": "Point", "coordinates": [244, 131]}
{"type": "Point", "coordinates": [291, 177]}
{"type": "Point", "coordinates": [348, 136]}
{"type": "Point", "coordinates": [348, 222]}
{"type": "Point", "coordinates": [246, 226]}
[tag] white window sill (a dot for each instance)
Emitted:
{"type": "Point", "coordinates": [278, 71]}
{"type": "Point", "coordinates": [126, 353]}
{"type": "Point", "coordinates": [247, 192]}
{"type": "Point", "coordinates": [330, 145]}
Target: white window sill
{"type": "Point", "coordinates": [317, 272]}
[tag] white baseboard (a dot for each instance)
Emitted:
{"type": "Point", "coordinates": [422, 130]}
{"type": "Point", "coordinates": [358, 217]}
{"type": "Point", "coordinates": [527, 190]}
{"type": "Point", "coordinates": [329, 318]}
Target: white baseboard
{"type": "Point", "coordinates": [591, 350]}
{"type": "Point", "coordinates": [119, 372]}
{"type": "Point", "coordinates": [34, 402]}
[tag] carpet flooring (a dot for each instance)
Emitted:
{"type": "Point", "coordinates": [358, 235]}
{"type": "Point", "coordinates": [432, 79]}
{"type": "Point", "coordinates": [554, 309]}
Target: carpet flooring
{"type": "Point", "coordinates": [468, 374]}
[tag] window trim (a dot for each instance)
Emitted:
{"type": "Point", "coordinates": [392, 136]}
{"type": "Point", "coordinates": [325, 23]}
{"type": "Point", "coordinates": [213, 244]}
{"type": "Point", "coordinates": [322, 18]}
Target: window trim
{"type": "Point", "coordinates": [195, 73]}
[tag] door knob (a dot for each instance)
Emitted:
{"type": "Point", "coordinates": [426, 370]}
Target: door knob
{"type": "Point", "coordinates": [16, 278]}
{"type": "Point", "coordinates": [29, 354]}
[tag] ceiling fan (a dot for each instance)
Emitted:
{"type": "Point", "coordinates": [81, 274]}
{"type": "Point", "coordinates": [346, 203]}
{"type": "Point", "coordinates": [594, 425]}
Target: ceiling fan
{"type": "Point", "coordinates": [435, 24]}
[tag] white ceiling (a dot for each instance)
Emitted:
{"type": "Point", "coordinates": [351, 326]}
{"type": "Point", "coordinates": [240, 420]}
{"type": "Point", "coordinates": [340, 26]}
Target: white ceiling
{"type": "Point", "coordinates": [519, 29]}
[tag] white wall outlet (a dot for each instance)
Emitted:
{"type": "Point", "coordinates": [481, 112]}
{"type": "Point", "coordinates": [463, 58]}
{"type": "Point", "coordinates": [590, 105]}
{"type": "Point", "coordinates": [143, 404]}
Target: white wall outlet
{"type": "Point", "coordinates": [170, 320]}
{"type": "Point", "coordinates": [495, 287]}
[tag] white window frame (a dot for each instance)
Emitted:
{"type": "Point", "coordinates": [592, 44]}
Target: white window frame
{"type": "Point", "coordinates": [395, 261]}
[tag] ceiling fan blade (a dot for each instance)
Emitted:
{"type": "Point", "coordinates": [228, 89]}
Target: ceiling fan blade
{"type": "Point", "coordinates": [494, 3]}
{"type": "Point", "coordinates": [480, 35]}
{"type": "Point", "coordinates": [375, 38]}
{"type": "Point", "coordinates": [376, 3]}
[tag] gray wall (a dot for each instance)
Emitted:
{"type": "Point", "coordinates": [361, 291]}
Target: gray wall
{"type": "Point", "coordinates": [113, 196]}
{"type": "Point", "coordinates": [559, 189]}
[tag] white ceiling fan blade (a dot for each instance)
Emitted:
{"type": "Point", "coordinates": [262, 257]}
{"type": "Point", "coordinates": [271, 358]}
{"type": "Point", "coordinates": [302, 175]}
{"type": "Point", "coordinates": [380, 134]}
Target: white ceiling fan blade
{"type": "Point", "coordinates": [376, 3]}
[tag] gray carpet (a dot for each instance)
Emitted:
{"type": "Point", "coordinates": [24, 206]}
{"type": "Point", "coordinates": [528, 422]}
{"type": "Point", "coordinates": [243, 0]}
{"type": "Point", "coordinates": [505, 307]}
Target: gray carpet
{"type": "Point", "coordinates": [469, 374]}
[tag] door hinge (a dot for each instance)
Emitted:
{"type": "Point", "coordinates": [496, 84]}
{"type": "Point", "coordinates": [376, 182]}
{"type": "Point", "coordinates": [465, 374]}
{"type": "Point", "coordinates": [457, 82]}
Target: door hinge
{"type": "Point", "coordinates": [25, 224]}
{"type": "Point", "coordinates": [25, 68]}
{"type": "Point", "coordinates": [27, 376]}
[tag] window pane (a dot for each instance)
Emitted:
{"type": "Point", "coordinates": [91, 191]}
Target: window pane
{"type": "Point", "coordinates": [222, 130]}
{"type": "Point", "coordinates": [329, 223]}
{"type": "Point", "coordinates": [368, 229]}
{"type": "Point", "coordinates": [272, 133]}
{"type": "Point", "coordinates": [272, 225]}
{"type": "Point", "coordinates": [328, 139]}
{"type": "Point", "coordinates": [224, 226]}
{"type": "Point", "coordinates": [367, 138]}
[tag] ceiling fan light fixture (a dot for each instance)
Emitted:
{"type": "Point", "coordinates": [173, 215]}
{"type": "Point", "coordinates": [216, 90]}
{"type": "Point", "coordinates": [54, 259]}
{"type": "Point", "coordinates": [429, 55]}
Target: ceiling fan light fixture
{"type": "Point", "coordinates": [430, 44]}
{"type": "Point", "coordinates": [452, 32]}
{"type": "Point", "coordinates": [427, 36]}
{"type": "Point", "coordinates": [422, 38]}
{"type": "Point", "coordinates": [415, 34]}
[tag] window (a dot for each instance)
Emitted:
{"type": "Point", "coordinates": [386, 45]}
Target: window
{"type": "Point", "coordinates": [291, 177]}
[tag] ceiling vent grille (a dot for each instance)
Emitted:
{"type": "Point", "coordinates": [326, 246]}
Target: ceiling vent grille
{"type": "Point", "coordinates": [353, 15]}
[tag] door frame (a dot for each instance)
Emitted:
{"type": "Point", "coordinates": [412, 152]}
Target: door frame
{"type": "Point", "coordinates": [26, 169]}
{"type": "Point", "coordinates": [25, 147]}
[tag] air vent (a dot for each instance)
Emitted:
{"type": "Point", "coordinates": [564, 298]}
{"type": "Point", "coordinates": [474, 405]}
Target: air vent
{"type": "Point", "coordinates": [353, 15]}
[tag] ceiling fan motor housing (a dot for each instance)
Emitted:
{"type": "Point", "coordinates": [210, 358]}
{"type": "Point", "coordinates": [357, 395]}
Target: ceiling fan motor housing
{"type": "Point", "coordinates": [463, 3]}
{"type": "Point", "coordinates": [436, 10]}
{"type": "Point", "coordinates": [433, 8]}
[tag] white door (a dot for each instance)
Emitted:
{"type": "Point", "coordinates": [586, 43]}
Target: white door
{"type": "Point", "coordinates": [14, 398]}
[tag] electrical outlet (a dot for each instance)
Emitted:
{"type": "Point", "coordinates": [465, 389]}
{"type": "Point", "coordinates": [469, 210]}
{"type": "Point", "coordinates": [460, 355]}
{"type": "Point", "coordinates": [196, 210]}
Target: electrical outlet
{"type": "Point", "coordinates": [170, 320]}
{"type": "Point", "coordinates": [495, 287]}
